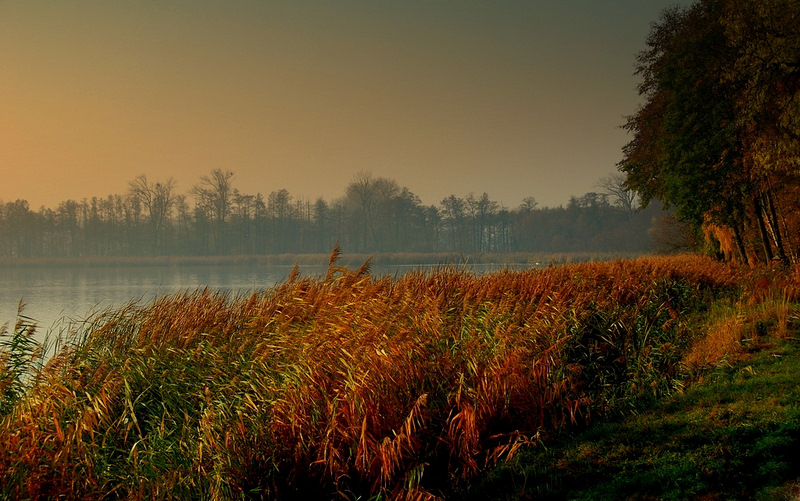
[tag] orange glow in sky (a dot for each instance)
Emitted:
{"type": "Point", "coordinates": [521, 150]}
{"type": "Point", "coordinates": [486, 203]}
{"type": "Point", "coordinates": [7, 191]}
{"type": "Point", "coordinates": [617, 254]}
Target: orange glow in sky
{"type": "Point", "coordinates": [512, 98]}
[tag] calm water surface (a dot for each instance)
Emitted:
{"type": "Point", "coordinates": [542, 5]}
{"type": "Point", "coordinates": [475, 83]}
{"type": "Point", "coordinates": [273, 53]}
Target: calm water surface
{"type": "Point", "coordinates": [55, 296]}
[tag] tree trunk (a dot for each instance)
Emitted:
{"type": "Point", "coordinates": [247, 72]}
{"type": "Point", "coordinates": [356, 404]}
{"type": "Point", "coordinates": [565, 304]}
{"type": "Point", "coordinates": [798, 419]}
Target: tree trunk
{"type": "Point", "coordinates": [772, 220]}
{"type": "Point", "coordinates": [742, 251]}
{"type": "Point", "coordinates": [762, 229]}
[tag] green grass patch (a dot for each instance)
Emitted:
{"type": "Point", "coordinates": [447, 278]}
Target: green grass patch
{"type": "Point", "coordinates": [733, 435]}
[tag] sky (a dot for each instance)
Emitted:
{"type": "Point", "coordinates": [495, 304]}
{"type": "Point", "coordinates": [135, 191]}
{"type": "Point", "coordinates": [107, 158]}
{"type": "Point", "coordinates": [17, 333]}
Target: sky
{"type": "Point", "coordinates": [513, 98]}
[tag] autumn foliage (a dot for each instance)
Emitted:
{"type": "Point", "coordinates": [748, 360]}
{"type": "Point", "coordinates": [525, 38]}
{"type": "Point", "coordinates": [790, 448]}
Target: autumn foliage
{"type": "Point", "coordinates": [348, 384]}
{"type": "Point", "coordinates": [717, 136]}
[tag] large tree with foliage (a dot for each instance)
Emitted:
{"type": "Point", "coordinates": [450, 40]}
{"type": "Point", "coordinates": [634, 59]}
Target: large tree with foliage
{"type": "Point", "coordinates": [717, 134]}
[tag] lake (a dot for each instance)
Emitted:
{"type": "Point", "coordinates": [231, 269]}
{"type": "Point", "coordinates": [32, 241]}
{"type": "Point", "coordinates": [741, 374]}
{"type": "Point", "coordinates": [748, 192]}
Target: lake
{"type": "Point", "coordinates": [54, 296]}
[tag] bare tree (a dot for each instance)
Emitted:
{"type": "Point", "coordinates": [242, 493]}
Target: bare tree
{"type": "Point", "coordinates": [215, 196]}
{"type": "Point", "coordinates": [157, 200]}
{"type": "Point", "coordinates": [621, 195]}
{"type": "Point", "coordinates": [279, 209]}
{"type": "Point", "coordinates": [528, 205]}
{"type": "Point", "coordinates": [370, 198]}
{"type": "Point", "coordinates": [481, 211]}
{"type": "Point", "coordinates": [453, 216]}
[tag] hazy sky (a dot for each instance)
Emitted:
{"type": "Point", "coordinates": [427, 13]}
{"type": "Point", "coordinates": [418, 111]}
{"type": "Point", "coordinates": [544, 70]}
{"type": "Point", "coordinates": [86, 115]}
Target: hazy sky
{"type": "Point", "coordinates": [512, 98]}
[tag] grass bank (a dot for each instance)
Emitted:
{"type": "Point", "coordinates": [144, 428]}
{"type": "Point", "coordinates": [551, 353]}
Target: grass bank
{"type": "Point", "coordinates": [349, 386]}
{"type": "Point", "coordinates": [735, 435]}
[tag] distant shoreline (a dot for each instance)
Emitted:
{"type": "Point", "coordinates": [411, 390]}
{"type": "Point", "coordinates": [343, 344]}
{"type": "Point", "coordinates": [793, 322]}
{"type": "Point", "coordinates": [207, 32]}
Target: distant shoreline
{"type": "Point", "coordinates": [346, 259]}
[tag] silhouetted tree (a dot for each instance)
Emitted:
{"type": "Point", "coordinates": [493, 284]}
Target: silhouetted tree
{"type": "Point", "coordinates": [619, 194]}
{"type": "Point", "coordinates": [157, 199]}
{"type": "Point", "coordinates": [369, 199]}
{"type": "Point", "coordinates": [453, 214]}
{"type": "Point", "coordinates": [214, 197]}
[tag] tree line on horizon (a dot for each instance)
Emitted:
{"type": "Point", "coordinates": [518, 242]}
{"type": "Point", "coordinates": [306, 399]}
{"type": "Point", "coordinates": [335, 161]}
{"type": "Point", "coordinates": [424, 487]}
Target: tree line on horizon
{"type": "Point", "coordinates": [374, 215]}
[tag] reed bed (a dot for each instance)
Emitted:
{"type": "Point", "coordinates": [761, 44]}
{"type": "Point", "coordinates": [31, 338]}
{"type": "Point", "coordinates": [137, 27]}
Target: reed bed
{"type": "Point", "coordinates": [349, 385]}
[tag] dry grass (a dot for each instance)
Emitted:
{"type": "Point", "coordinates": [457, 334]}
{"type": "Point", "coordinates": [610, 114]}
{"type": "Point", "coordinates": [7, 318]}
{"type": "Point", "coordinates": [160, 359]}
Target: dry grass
{"type": "Point", "coordinates": [734, 327]}
{"type": "Point", "coordinates": [347, 384]}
